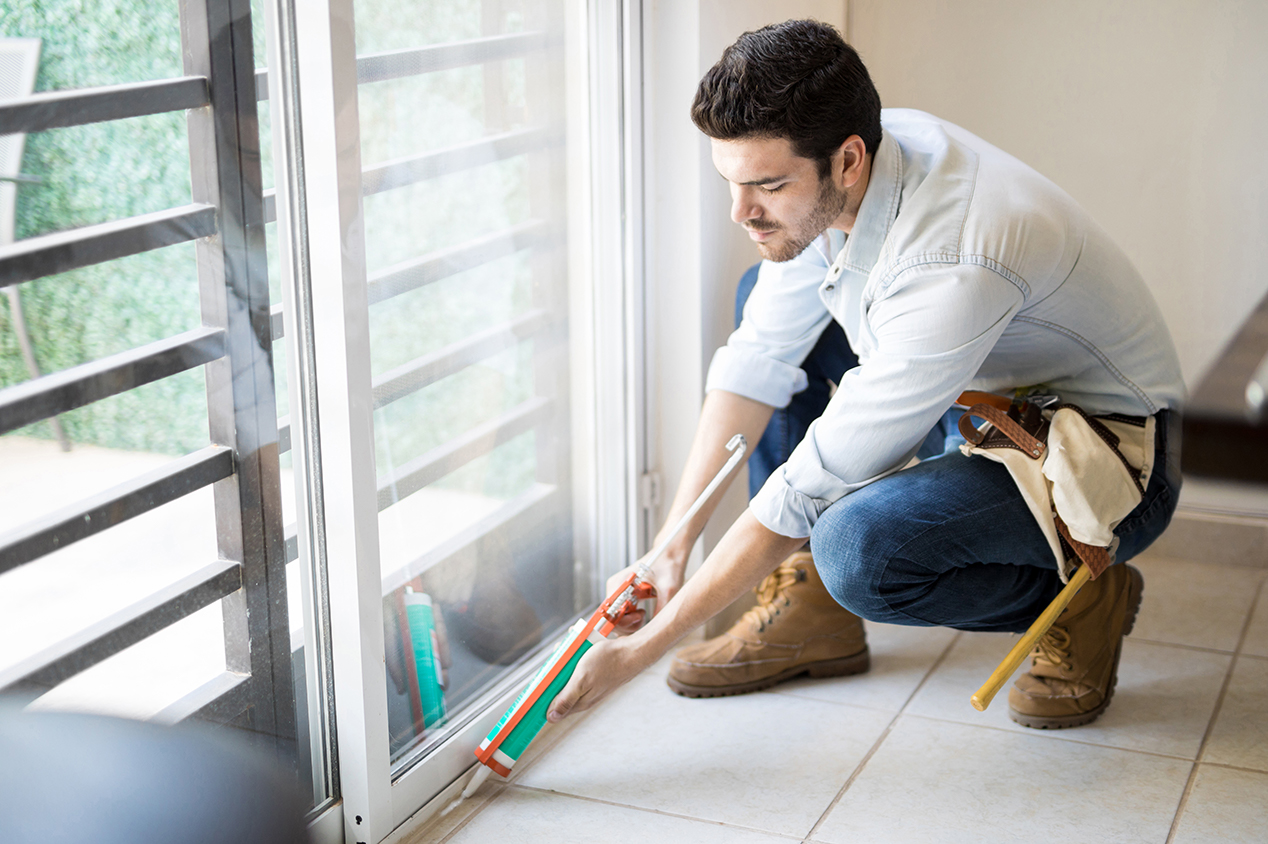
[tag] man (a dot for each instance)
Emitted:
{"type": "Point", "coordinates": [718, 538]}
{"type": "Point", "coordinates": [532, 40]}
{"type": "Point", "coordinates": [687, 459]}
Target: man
{"type": "Point", "coordinates": [950, 266]}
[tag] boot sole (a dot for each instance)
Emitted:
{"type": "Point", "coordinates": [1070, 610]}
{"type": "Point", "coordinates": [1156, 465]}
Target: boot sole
{"type": "Point", "coordinates": [1135, 591]}
{"type": "Point", "coordinates": [843, 667]}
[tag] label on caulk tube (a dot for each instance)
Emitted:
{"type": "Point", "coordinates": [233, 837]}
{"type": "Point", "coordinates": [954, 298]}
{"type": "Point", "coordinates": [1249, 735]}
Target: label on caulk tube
{"type": "Point", "coordinates": [535, 717]}
{"type": "Point", "coordinates": [422, 632]}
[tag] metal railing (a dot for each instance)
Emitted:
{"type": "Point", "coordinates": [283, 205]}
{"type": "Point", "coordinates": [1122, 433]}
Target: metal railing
{"type": "Point", "coordinates": [415, 61]}
{"type": "Point", "coordinates": [36, 257]}
{"type": "Point", "coordinates": [114, 506]}
{"type": "Point", "coordinates": [49, 395]}
{"type": "Point", "coordinates": [409, 170]}
{"type": "Point", "coordinates": [59, 109]}
{"type": "Point", "coordinates": [248, 579]}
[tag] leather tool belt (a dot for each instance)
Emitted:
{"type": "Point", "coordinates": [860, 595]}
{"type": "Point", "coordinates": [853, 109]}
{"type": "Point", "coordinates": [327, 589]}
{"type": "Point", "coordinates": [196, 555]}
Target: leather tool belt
{"type": "Point", "coordinates": [1079, 474]}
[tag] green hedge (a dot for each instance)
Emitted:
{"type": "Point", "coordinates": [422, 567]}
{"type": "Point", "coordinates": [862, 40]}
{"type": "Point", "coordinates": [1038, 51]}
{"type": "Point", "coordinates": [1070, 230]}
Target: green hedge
{"type": "Point", "coordinates": [96, 173]}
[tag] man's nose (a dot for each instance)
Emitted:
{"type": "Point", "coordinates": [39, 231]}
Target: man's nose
{"type": "Point", "coordinates": [742, 205]}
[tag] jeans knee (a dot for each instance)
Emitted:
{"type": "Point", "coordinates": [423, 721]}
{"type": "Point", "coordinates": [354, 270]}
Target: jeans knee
{"type": "Point", "coordinates": [851, 553]}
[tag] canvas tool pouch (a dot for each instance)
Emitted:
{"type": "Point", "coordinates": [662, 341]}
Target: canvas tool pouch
{"type": "Point", "coordinates": [1080, 475]}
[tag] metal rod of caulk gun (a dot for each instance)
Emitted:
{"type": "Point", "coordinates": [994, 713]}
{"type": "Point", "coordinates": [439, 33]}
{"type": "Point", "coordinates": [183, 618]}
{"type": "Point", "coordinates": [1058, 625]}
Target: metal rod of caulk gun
{"type": "Point", "coordinates": [737, 445]}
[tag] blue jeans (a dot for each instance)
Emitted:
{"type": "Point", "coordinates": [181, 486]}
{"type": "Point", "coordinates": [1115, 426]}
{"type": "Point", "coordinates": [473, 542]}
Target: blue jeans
{"type": "Point", "coordinates": [949, 542]}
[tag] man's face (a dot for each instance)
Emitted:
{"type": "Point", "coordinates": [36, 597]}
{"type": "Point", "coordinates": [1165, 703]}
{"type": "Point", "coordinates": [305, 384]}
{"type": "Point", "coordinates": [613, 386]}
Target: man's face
{"type": "Point", "coordinates": [777, 196]}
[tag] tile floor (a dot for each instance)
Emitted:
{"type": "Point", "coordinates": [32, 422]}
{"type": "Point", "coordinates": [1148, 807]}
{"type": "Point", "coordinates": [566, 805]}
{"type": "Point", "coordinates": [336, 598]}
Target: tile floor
{"type": "Point", "coordinates": [898, 755]}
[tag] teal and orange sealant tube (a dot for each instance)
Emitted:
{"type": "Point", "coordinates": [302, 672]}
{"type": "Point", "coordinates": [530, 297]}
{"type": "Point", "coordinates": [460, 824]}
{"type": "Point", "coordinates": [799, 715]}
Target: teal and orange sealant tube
{"type": "Point", "coordinates": [527, 715]}
{"type": "Point", "coordinates": [422, 633]}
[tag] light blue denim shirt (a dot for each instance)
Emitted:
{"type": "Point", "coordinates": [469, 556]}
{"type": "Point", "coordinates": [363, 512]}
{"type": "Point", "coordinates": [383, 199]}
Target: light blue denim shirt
{"type": "Point", "coordinates": [965, 269]}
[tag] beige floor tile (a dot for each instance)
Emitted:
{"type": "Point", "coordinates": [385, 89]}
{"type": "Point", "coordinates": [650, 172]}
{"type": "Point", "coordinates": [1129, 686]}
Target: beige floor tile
{"type": "Point", "coordinates": [1230, 807]}
{"type": "Point", "coordinates": [1240, 736]}
{"type": "Point", "coordinates": [762, 761]}
{"type": "Point", "coordinates": [1163, 703]}
{"type": "Point", "coordinates": [524, 816]}
{"type": "Point", "coordinates": [445, 822]}
{"type": "Point", "coordinates": [1195, 604]}
{"type": "Point", "coordinates": [1214, 539]}
{"type": "Point", "coordinates": [901, 657]}
{"type": "Point", "coordinates": [933, 781]}
{"type": "Point", "coordinates": [1256, 642]}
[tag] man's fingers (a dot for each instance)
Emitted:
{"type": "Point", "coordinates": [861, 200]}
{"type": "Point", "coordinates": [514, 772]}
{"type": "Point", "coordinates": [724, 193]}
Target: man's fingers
{"type": "Point", "coordinates": [564, 702]}
{"type": "Point", "coordinates": [630, 622]}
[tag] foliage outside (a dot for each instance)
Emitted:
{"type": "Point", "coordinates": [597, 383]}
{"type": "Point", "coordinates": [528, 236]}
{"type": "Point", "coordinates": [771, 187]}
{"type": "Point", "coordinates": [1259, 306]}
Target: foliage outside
{"type": "Point", "coordinates": [106, 171]}
{"type": "Point", "coordinates": [92, 174]}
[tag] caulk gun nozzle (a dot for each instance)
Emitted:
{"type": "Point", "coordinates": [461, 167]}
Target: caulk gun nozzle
{"type": "Point", "coordinates": [481, 774]}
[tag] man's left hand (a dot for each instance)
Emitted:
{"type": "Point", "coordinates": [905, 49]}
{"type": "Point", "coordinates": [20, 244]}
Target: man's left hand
{"type": "Point", "coordinates": [605, 667]}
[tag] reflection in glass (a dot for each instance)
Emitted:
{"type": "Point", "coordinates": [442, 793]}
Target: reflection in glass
{"type": "Point", "coordinates": [469, 352]}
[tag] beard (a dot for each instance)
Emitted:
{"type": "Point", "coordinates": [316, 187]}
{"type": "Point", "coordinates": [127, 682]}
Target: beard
{"type": "Point", "coordinates": [796, 236]}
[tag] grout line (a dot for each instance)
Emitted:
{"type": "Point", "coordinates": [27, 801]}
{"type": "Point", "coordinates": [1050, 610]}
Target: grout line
{"type": "Point", "coordinates": [1210, 726]}
{"type": "Point", "coordinates": [1250, 617]}
{"type": "Point", "coordinates": [798, 696]}
{"type": "Point", "coordinates": [650, 811]}
{"type": "Point", "coordinates": [1054, 735]}
{"type": "Point", "coordinates": [881, 739]}
{"type": "Point", "coordinates": [1183, 647]}
{"type": "Point", "coordinates": [1238, 768]}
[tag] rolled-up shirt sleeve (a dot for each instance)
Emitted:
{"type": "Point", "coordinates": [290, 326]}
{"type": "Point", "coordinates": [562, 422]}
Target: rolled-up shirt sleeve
{"type": "Point", "coordinates": [932, 330]}
{"type": "Point", "coordinates": [782, 321]}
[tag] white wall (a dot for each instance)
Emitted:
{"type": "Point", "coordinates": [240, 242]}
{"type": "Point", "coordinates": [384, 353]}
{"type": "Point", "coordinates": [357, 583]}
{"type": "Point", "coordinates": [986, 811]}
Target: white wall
{"type": "Point", "coordinates": [695, 254]}
{"type": "Point", "coordinates": [1151, 113]}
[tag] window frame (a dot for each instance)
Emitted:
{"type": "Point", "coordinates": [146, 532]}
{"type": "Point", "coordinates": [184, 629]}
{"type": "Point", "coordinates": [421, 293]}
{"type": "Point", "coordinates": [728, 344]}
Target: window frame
{"type": "Point", "coordinates": [317, 205]}
{"type": "Point", "coordinates": [332, 435]}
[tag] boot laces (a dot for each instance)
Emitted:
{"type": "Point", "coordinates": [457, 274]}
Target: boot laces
{"type": "Point", "coordinates": [770, 594]}
{"type": "Point", "coordinates": [1054, 648]}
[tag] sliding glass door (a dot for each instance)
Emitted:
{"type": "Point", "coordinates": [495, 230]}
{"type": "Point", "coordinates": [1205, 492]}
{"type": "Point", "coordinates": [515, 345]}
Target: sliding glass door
{"type": "Point", "coordinates": [458, 442]}
{"type": "Point", "coordinates": [318, 392]}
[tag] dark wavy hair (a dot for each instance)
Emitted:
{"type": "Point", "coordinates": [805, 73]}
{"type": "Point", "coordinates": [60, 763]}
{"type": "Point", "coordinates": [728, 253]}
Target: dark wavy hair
{"type": "Point", "coordinates": [797, 80]}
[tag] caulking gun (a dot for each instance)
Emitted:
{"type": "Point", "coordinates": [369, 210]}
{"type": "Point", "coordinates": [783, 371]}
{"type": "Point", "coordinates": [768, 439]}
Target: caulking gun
{"type": "Point", "coordinates": [521, 723]}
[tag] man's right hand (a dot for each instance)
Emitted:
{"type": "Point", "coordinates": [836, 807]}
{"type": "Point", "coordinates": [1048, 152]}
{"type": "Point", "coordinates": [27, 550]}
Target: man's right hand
{"type": "Point", "coordinates": [667, 577]}
{"type": "Point", "coordinates": [723, 415]}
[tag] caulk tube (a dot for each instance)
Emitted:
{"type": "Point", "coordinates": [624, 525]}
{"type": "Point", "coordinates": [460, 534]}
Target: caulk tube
{"type": "Point", "coordinates": [529, 710]}
{"type": "Point", "coordinates": [422, 633]}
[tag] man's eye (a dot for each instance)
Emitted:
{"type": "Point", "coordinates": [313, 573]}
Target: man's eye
{"type": "Point", "coordinates": [775, 189]}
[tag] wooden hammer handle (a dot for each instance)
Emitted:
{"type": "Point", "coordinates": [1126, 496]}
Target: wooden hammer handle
{"type": "Point", "coordinates": [982, 698]}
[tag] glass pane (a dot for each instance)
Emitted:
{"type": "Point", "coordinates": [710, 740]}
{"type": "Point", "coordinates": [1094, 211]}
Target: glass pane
{"type": "Point", "coordinates": [51, 599]}
{"type": "Point", "coordinates": [101, 172]}
{"type": "Point", "coordinates": [143, 680]}
{"type": "Point", "coordinates": [84, 45]}
{"type": "Point", "coordinates": [56, 463]}
{"type": "Point", "coordinates": [92, 174]}
{"type": "Point", "coordinates": [420, 23]}
{"type": "Point", "coordinates": [94, 312]}
{"type": "Point", "coordinates": [471, 444]}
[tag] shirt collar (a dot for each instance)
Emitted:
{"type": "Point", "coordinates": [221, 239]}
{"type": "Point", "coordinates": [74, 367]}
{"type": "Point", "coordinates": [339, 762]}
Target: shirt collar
{"type": "Point", "coordinates": [877, 212]}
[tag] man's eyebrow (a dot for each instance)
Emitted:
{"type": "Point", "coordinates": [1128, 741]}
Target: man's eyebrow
{"type": "Point", "coordinates": [765, 181]}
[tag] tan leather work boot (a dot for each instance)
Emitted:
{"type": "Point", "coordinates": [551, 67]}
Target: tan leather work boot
{"type": "Point", "coordinates": [796, 628]}
{"type": "Point", "coordinates": [1075, 665]}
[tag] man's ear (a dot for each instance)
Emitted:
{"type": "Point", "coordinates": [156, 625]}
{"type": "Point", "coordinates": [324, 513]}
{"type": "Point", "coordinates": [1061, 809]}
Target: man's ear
{"type": "Point", "coordinates": [848, 161]}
